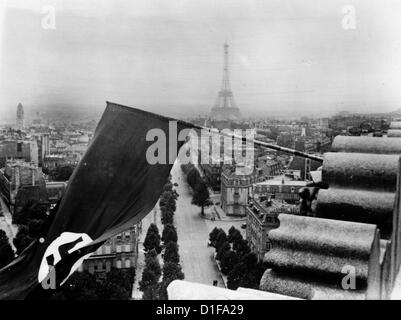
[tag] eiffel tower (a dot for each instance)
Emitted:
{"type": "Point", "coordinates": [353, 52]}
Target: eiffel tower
{"type": "Point", "coordinates": [225, 107]}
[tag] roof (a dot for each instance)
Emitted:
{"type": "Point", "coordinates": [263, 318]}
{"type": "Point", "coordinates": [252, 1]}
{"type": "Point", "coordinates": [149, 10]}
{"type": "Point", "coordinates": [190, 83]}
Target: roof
{"type": "Point", "coordinates": [319, 249]}
{"type": "Point", "coordinates": [379, 145]}
{"type": "Point", "coordinates": [185, 290]}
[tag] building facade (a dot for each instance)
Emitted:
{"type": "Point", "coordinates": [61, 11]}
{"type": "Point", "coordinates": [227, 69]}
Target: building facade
{"type": "Point", "coordinates": [262, 217]}
{"type": "Point", "coordinates": [18, 178]}
{"type": "Point", "coordinates": [235, 190]}
{"type": "Point", "coordinates": [120, 252]}
{"type": "Point", "coordinates": [55, 190]}
{"type": "Point", "coordinates": [280, 189]}
{"type": "Point", "coordinates": [19, 149]}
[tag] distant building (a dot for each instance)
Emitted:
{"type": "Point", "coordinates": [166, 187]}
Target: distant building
{"type": "Point", "coordinates": [119, 252]}
{"type": "Point", "coordinates": [22, 182]}
{"type": "Point", "coordinates": [28, 194]}
{"type": "Point", "coordinates": [279, 189]}
{"type": "Point", "coordinates": [225, 108]}
{"type": "Point", "coordinates": [261, 218]}
{"type": "Point", "coordinates": [26, 150]}
{"type": "Point", "coordinates": [43, 147]}
{"type": "Point", "coordinates": [52, 161]}
{"type": "Point", "coordinates": [55, 190]}
{"type": "Point", "coordinates": [212, 174]}
{"type": "Point", "coordinates": [20, 117]}
{"type": "Point", "coordinates": [270, 166]}
{"type": "Point", "coordinates": [235, 189]}
{"type": "Point", "coordinates": [303, 165]}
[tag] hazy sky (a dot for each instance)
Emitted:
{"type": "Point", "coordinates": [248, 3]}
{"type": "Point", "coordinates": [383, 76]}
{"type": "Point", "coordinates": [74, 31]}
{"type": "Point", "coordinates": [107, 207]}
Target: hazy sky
{"type": "Point", "coordinates": [287, 57]}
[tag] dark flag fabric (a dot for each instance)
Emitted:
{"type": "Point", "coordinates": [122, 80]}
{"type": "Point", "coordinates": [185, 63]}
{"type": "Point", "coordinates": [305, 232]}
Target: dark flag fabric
{"type": "Point", "coordinates": [113, 187]}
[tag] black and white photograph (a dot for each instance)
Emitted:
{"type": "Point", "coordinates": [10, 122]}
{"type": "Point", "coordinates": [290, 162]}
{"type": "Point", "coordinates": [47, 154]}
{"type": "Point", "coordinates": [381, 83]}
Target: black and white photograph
{"type": "Point", "coordinates": [214, 150]}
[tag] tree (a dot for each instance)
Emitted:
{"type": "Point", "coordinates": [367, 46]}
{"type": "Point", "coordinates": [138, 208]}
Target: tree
{"type": "Point", "coordinates": [234, 235]}
{"type": "Point", "coordinates": [22, 239]}
{"type": "Point", "coordinates": [6, 252]}
{"type": "Point", "coordinates": [30, 220]}
{"type": "Point", "coordinates": [251, 260]}
{"type": "Point", "coordinates": [80, 286]}
{"type": "Point", "coordinates": [235, 277]}
{"type": "Point", "coordinates": [151, 273]}
{"type": "Point", "coordinates": [168, 200]}
{"type": "Point", "coordinates": [149, 278]}
{"type": "Point", "coordinates": [247, 273]}
{"type": "Point", "coordinates": [168, 186]}
{"type": "Point", "coordinates": [201, 196]}
{"type": "Point", "coordinates": [152, 263]}
{"type": "Point", "coordinates": [213, 236]}
{"type": "Point", "coordinates": [169, 234]}
{"type": "Point", "coordinates": [152, 239]}
{"type": "Point", "coordinates": [116, 286]}
{"type": "Point", "coordinates": [171, 253]}
{"type": "Point", "coordinates": [31, 211]}
{"type": "Point", "coordinates": [228, 260]}
{"type": "Point", "coordinates": [171, 272]}
{"type": "Point", "coordinates": [62, 173]}
{"type": "Point", "coordinates": [221, 237]}
{"type": "Point", "coordinates": [151, 292]}
{"type": "Point", "coordinates": [162, 290]}
{"type": "Point", "coordinates": [112, 291]}
{"type": "Point", "coordinates": [224, 247]}
{"type": "Point", "coordinates": [241, 247]}
{"type": "Point", "coordinates": [167, 215]}
{"type": "Point", "coordinates": [193, 177]}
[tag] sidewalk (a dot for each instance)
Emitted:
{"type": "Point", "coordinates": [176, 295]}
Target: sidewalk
{"type": "Point", "coordinates": [153, 217]}
{"type": "Point", "coordinates": [214, 212]}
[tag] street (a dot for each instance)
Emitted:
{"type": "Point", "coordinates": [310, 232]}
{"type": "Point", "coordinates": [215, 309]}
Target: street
{"type": "Point", "coordinates": [193, 231]}
{"type": "Point", "coordinates": [193, 234]}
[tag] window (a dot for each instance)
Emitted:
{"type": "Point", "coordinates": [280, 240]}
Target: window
{"type": "Point", "coordinates": [118, 248]}
{"type": "Point", "coordinates": [107, 249]}
{"type": "Point", "coordinates": [91, 268]}
{"type": "Point", "coordinates": [99, 266]}
{"type": "Point", "coordinates": [128, 263]}
{"type": "Point", "coordinates": [19, 147]}
{"type": "Point", "coordinates": [118, 264]}
{"type": "Point", "coordinates": [108, 266]}
{"type": "Point", "coordinates": [268, 245]}
{"type": "Point", "coordinates": [127, 248]}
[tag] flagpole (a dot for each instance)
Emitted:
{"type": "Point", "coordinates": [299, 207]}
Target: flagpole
{"type": "Point", "coordinates": [257, 142]}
